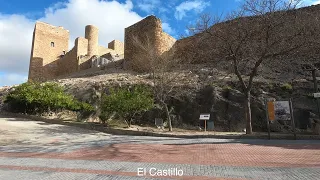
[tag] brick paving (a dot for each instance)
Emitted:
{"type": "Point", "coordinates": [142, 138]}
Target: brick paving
{"type": "Point", "coordinates": [130, 168]}
{"type": "Point", "coordinates": [70, 156]}
{"type": "Point", "coordinates": [206, 154]}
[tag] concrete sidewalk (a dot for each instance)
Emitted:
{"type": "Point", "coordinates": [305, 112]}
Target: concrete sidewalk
{"type": "Point", "coordinates": [42, 150]}
{"type": "Point", "coordinates": [120, 131]}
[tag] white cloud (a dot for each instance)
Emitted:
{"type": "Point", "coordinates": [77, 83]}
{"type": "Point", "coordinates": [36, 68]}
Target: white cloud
{"type": "Point", "coordinates": [111, 17]}
{"type": "Point", "coordinates": [149, 5]}
{"type": "Point", "coordinates": [168, 29]}
{"type": "Point", "coordinates": [15, 43]}
{"type": "Point", "coordinates": [195, 5]}
{"type": "Point", "coordinates": [152, 6]}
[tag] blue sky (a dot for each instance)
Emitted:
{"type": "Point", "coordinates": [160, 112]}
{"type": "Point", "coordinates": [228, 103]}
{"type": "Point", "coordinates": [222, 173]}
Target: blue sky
{"type": "Point", "coordinates": [17, 19]}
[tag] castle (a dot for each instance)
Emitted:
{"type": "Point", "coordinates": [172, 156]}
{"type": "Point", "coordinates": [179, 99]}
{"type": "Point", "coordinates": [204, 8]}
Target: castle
{"type": "Point", "coordinates": [50, 59]}
{"type": "Point", "coordinates": [49, 55]}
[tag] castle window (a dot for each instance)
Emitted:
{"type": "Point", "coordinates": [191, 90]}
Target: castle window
{"type": "Point", "coordinates": [52, 44]}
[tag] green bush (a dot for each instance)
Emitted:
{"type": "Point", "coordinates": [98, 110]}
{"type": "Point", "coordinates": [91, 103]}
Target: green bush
{"type": "Point", "coordinates": [34, 98]}
{"type": "Point", "coordinates": [126, 102]}
{"type": "Point", "coordinates": [286, 86]}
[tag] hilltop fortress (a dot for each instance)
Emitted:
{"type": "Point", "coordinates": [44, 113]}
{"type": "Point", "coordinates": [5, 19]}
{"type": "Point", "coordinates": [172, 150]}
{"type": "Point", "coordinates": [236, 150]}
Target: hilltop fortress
{"type": "Point", "coordinates": [50, 58]}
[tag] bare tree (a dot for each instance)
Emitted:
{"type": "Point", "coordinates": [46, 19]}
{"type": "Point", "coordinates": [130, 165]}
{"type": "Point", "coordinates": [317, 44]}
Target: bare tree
{"type": "Point", "coordinates": [165, 71]}
{"type": "Point", "coordinates": [256, 33]}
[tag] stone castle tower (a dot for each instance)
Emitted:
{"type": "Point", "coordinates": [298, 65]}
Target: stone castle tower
{"type": "Point", "coordinates": [48, 44]}
{"type": "Point", "coordinates": [51, 59]}
{"type": "Point", "coordinates": [91, 33]}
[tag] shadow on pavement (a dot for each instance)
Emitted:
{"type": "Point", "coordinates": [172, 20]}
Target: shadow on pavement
{"type": "Point", "coordinates": [287, 144]}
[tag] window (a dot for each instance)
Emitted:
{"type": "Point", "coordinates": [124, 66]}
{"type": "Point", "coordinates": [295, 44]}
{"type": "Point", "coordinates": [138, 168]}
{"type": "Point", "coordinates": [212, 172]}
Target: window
{"type": "Point", "coordinates": [52, 44]}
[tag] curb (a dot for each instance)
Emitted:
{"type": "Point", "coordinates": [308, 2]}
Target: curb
{"type": "Point", "coordinates": [95, 127]}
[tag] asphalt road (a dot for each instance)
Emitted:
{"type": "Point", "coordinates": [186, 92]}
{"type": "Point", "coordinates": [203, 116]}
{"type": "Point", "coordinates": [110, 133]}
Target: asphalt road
{"type": "Point", "coordinates": [38, 150]}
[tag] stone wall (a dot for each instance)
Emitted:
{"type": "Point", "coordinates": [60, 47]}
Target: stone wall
{"type": "Point", "coordinates": [166, 42]}
{"type": "Point", "coordinates": [117, 46]}
{"type": "Point", "coordinates": [81, 45]}
{"type": "Point", "coordinates": [68, 63]}
{"type": "Point", "coordinates": [82, 53]}
{"type": "Point", "coordinates": [103, 50]}
{"type": "Point", "coordinates": [49, 42]}
{"type": "Point", "coordinates": [146, 33]}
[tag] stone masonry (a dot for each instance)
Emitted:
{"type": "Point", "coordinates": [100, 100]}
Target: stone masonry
{"type": "Point", "coordinates": [49, 42]}
{"type": "Point", "coordinates": [147, 33]}
{"type": "Point", "coordinates": [50, 57]}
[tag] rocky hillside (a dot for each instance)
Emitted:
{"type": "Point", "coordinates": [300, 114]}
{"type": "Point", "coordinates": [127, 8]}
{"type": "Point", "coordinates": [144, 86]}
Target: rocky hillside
{"type": "Point", "coordinates": [290, 29]}
{"type": "Point", "coordinates": [208, 91]}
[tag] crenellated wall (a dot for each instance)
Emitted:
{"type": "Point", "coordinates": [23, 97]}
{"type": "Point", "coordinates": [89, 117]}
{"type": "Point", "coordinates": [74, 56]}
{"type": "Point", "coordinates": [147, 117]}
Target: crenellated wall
{"type": "Point", "coordinates": [68, 63]}
{"type": "Point", "coordinates": [117, 46]}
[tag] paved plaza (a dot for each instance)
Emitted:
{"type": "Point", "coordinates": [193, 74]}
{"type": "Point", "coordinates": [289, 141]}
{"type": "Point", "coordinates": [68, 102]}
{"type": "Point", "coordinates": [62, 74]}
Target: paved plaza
{"type": "Point", "coordinates": [38, 150]}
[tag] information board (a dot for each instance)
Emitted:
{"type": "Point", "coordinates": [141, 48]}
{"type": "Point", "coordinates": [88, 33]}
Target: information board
{"type": "Point", "coordinates": [204, 116]}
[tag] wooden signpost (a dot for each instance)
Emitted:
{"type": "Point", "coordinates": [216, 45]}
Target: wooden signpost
{"type": "Point", "coordinates": [269, 113]}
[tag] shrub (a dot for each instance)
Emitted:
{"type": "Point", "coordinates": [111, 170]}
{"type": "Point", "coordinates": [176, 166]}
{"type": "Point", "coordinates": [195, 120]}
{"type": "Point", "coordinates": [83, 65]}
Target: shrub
{"type": "Point", "coordinates": [34, 98]}
{"type": "Point", "coordinates": [286, 86]}
{"type": "Point", "coordinates": [126, 102]}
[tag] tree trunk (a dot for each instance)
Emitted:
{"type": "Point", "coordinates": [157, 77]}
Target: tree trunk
{"type": "Point", "coordinates": [168, 116]}
{"type": "Point", "coordinates": [128, 125]}
{"type": "Point", "coordinates": [131, 117]}
{"type": "Point", "coordinates": [248, 113]}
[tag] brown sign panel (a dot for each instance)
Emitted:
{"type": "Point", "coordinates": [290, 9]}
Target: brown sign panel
{"type": "Point", "coordinates": [271, 113]}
